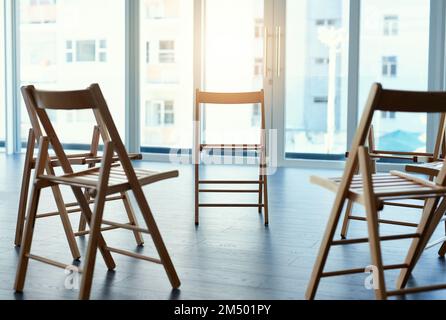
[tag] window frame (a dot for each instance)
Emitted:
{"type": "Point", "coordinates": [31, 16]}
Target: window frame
{"type": "Point", "coordinates": [273, 18]}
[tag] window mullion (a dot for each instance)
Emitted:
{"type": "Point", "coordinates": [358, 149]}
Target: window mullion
{"type": "Point", "coordinates": [436, 62]}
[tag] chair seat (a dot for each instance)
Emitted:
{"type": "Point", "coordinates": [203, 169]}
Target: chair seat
{"type": "Point", "coordinates": [117, 182]}
{"type": "Point", "coordinates": [430, 169]}
{"type": "Point", "coordinates": [392, 186]}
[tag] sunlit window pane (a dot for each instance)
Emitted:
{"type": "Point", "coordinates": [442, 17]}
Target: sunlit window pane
{"type": "Point", "coordinates": [70, 44]}
{"type": "Point", "coordinates": [167, 73]}
{"type": "Point", "coordinates": [233, 62]}
{"type": "Point", "coordinates": [316, 77]}
{"type": "Point", "coordinates": [2, 79]}
{"type": "Point", "coordinates": [389, 30]}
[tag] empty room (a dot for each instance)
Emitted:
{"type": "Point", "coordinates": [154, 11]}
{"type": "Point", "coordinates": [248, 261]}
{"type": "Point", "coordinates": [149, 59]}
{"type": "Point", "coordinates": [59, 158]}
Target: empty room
{"type": "Point", "coordinates": [223, 156]}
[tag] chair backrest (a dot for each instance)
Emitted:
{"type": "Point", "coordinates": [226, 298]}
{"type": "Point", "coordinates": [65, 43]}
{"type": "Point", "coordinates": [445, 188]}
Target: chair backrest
{"type": "Point", "coordinates": [215, 98]}
{"type": "Point", "coordinates": [39, 102]}
{"type": "Point", "coordinates": [392, 101]}
{"type": "Point", "coordinates": [37, 128]}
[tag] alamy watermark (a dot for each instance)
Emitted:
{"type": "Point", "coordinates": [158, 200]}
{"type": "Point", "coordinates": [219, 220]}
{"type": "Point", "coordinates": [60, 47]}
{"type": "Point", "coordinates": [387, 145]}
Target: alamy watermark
{"type": "Point", "coordinates": [72, 279]}
{"type": "Point", "coordinates": [232, 154]}
{"type": "Point", "coordinates": [371, 282]}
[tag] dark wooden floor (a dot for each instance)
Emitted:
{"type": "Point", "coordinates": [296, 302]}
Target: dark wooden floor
{"type": "Point", "coordinates": [230, 256]}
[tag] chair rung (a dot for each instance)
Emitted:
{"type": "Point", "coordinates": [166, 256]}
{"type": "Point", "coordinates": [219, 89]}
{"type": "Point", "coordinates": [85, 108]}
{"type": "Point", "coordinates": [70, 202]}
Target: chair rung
{"type": "Point", "coordinates": [134, 255]}
{"type": "Point", "coordinates": [76, 209]}
{"type": "Point", "coordinates": [126, 226]}
{"type": "Point", "coordinates": [360, 270]}
{"type": "Point", "coordinates": [84, 233]}
{"type": "Point", "coordinates": [403, 205]}
{"type": "Point", "coordinates": [416, 290]}
{"type": "Point", "coordinates": [230, 182]}
{"type": "Point", "coordinates": [436, 243]}
{"type": "Point", "coordinates": [228, 191]}
{"type": "Point", "coordinates": [209, 205]}
{"type": "Point", "coordinates": [50, 262]}
{"type": "Point", "coordinates": [366, 240]}
{"type": "Point", "coordinates": [392, 222]}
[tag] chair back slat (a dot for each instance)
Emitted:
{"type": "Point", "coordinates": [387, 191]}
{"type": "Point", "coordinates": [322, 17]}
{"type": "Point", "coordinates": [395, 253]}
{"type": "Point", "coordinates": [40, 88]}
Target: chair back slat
{"type": "Point", "coordinates": [64, 100]}
{"type": "Point", "coordinates": [391, 101]}
{"type": "Point", "coordinates": [411, 101]}
{"type": "Point", "coordinates": [229, 98]}
{"type": "Point", "coordinates": [39, 101]}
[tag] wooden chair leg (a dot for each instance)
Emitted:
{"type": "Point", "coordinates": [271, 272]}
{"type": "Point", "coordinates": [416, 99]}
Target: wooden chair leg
{"type": "Point", "coordinates": [90, 257]}
{"type": "Point", "coordinates": [82, 222]}
{"type": "Point", "coordinates": [132, 218]}
{"type": "Point", "coordinates": [265, 199]}
{"type": "Point", "coordinates": [26, 180]}
{"type": "Point", "coordinates": [27, 240]}
{"type": "Point", "coordinates": [96, 223]}
{"type": "Point", "coordinates": [261, 186]}
{"type": "Point", "coordinates": [325, 248]}
{"type": "Point", "coordinates": [86, 211]}
{"type": "Point", "coordinates": [69, 233]}
{"type": "Point", "coordinates": [372, 224]}
{"type": "Point", "coordinates": [442, 251]}
{"type": "Point", "coordinates": [432, 215]}
{"type": "Point", "coordinates": [346, 224]}
{"type": "Point", "coordinates": [260, 193]}
{"type": "Point", "coordinates": [197, 195]}
{"type": "Point", "coordinates": [156, 236]}
{"type": "Point", "coordinates": [350, 204]}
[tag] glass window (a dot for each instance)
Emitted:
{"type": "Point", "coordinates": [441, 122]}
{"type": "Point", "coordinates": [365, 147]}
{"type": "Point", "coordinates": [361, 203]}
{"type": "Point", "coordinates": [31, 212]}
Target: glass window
{"type": "Point", "coordinates": [316, 78]}
{"type": "Point", "coordinates": [233, 62]}
{"type": "Point", "coordinates": [2, 81]}
{"type": "Point", "coordinates": [56, 37]}
{"type": "Point", "coordinates": [167, 51]}
{"type": "Point", "coordinates": [167, 29]}
{"type": "Point", "coordinates": [86, 51]}
{"type": "Point", "coordinates": [391, 25]}
{"type": "Point", "coordinates": [390, 66]}
{"type": "Point", "coordinates": [396, 63]}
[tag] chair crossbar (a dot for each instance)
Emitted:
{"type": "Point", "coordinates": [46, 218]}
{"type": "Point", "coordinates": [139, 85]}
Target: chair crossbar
{"type": "Point", "coordinates": [230, 182]}
{"type": "Point", "coordinates": [382, 221]}
{"type": "Point", "coordinates": [366, 240]}
{"type": "Point", "coordinates": [134, 255]}
{"type": "Point", "coordinates": [359, 270]}
{"type": "Point", "coordinates": [51, 262]}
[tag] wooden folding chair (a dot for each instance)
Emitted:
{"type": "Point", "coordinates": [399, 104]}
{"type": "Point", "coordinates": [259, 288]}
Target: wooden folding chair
{"type": "Point", "coordinates": [203, 98]}
{"type": "Point", "coordinates": [90, 159]}
{"type": "Point", "coordinates": [372, 190]}
{"type": "Point", "coordinates": [108, 179]}
{"type": "Point", "coordinates": [421, 160]}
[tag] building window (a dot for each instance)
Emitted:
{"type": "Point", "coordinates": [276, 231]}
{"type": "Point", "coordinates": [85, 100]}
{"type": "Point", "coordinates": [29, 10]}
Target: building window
{"type": "Point", "coordinates": [391, 25]}
{"type": "Point", "coordinates": [155, 9]}
{"type": "Point", "coordinates": [325, 22]}
{"type": "Point", "coordinates": [255, 120]}
{"type": "Point", "coordinates": [390, 66]}
{"type": "Point", "coordinates": [259, 28]}
{"type": "Point", "coordinates": [160, 113]}
{"type": "Point", "coordinates": [167, 51]}
{"type": "Point", "coordinates": [388, 115]}
{"type": "Point", "coordinates": [321, 61]}
{"type": "Point", "coordinates": [102, 51]}
{"type": "Point", "coordinates": [258, 67]}
{"type": "Point", "coordinates": [147, 52]}
{"type": "Point", "coordinates": [39, 11]}
{"type": "Point", "coordinates": [69, 51]}
{"type": "Point", "coordinates": [323, 100]}
{"type": "Point", "coordinates": [86, 51]}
